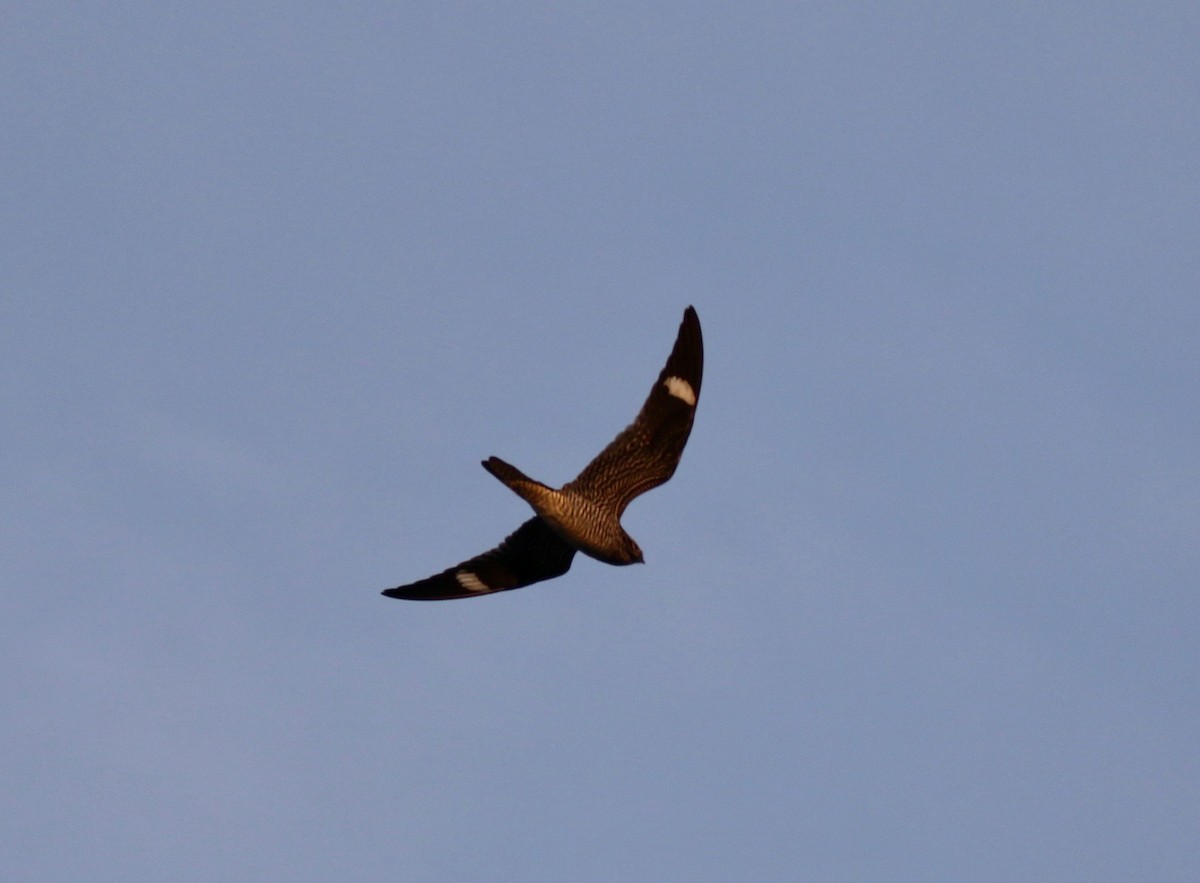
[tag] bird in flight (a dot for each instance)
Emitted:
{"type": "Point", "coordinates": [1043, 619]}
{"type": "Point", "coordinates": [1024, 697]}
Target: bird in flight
{"type": "Point", "coordinates": [584, 515]}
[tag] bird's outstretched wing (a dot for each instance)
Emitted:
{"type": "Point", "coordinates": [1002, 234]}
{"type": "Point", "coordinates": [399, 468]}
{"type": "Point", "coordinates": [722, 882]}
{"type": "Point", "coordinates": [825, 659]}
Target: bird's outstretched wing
{"type": "Point", "coordinates": [530, 554]}
{"type": "Point", "coordinates": [646, 453]}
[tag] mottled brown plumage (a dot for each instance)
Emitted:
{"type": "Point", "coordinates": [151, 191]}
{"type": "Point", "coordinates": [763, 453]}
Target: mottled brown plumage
{"type": "Point", "coordinates": [584, 515]}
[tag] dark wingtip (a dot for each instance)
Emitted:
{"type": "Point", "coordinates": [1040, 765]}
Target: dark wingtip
{"type": "Point", "coordinates": [687, 356]}
{"type": "Point", "coordinates": [691, 321]}
{"type": "Point", "coordinates": [400, 595]}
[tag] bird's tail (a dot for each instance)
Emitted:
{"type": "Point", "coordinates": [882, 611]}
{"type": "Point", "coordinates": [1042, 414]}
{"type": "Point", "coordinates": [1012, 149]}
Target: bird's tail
{"type": "Point", "coordinates": [516, 480]}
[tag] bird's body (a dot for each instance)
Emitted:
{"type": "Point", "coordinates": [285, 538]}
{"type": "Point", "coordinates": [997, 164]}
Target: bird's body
{"type": "Point", "coordinates": [584, 514]}
{"type": "Point", "coordinates": [585, 523]}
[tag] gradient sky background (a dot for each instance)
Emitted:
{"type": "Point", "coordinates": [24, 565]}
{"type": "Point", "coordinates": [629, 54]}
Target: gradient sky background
{"type": "Point", "coordinates": [921, 600]}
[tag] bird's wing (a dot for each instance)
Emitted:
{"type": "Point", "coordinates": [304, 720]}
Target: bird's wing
{"type": "Point", "coordinates": [530, 554]}
{"type": "Point", "coordinates": [646, 453]}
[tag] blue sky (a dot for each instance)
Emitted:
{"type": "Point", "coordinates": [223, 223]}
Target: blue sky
{"type": "Point", "coordinates": [920, 602]}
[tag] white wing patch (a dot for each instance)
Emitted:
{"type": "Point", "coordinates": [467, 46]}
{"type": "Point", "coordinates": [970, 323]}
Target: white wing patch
{"type": "Point", "coordinates": [470, 581]}
{"type": "Point", "coordinates": [681, 389]}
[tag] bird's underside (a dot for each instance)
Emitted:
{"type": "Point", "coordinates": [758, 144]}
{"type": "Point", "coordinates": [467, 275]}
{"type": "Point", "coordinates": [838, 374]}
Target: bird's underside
{"type": "Point", "coordinates": [584, 514]}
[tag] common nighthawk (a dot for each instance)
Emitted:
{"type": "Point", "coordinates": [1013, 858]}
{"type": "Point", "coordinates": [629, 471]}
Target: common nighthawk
{"type": "Point", "coordinates": [584, 515]}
